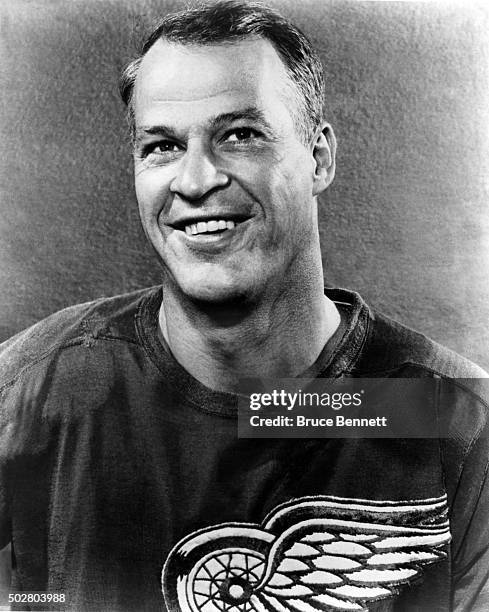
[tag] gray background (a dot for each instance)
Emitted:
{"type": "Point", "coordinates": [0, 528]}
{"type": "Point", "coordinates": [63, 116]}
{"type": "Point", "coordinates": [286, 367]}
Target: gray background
{"type": "Point", "coordinates": [406, 221]}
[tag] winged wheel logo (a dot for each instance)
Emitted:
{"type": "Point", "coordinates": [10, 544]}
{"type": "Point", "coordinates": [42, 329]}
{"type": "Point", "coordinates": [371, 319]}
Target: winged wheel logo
{"type": "Point", "coordinates": [309, 554]}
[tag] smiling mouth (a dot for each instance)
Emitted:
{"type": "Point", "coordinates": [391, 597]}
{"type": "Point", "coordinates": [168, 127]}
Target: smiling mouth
{"type": "Point", "coordinates": [211, 226]}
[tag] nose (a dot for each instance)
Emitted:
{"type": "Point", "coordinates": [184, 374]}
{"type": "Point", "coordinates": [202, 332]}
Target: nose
{"type": "Point", "coordinates": [197, 173]}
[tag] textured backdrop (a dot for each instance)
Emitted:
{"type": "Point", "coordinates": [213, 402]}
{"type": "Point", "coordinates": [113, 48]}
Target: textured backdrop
{"type": "Point", "coordinates": [406, 222]}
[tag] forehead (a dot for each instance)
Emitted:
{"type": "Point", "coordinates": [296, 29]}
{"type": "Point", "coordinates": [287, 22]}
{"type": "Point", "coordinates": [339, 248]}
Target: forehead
{"type": "Point", "coordinates": [190, 81]}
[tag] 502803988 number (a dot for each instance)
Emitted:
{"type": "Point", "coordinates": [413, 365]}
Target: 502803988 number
{"type": "Point", "coordinates": [38, 597]}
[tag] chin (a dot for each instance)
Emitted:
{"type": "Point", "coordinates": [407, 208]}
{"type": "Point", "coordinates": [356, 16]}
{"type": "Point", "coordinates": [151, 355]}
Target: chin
{"type": "Point", "coordinates": [217, 295]}
{"type": "Point", "coordinates": [212, 286]}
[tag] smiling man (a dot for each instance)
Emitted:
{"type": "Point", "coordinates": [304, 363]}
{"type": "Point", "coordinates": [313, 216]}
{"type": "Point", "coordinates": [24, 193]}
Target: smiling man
{"type": "Point", "coordinates": [226, 180]}
{"type": "Point", "coordinates": [123, 484]}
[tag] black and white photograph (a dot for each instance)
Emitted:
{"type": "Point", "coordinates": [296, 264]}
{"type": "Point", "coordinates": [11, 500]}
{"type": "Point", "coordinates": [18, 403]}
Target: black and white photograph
{"type": "Point", "coordinates": [244, 340]}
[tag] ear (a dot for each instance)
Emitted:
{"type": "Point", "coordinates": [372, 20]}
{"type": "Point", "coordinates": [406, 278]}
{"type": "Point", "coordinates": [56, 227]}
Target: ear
{"type": "Point", "coordinates": [324, 153]}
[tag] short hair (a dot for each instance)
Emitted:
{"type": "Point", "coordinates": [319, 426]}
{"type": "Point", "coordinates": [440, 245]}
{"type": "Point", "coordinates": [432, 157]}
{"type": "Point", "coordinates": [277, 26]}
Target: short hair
{"type": "Point", "coordinates": [229, 21]}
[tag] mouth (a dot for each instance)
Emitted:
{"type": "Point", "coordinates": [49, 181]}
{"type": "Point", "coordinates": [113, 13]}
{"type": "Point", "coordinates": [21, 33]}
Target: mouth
{"type": "Point", "coordinates": [209, 225]}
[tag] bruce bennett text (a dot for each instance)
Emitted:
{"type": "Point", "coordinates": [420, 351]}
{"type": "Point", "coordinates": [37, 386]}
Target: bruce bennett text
{"type": "Point", "coordinates": [302, 421]}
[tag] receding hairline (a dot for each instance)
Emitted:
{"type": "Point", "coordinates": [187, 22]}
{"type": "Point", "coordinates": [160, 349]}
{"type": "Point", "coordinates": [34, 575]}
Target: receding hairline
{"type": "Point", "coordinates": [268, 46]}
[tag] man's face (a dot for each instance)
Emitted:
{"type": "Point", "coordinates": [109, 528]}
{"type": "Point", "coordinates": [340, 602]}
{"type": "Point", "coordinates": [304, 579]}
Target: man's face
{"type": "Point", "coordinates": [225, 186]}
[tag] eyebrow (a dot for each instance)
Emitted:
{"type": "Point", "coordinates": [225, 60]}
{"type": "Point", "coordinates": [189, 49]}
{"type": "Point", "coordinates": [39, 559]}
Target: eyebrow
{"type": "Point", "coordinates": [248, 114]}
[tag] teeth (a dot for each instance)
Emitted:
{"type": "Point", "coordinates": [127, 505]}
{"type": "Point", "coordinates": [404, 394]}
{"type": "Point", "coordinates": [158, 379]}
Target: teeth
{"type": "Point", "coordinates": [203, 227]}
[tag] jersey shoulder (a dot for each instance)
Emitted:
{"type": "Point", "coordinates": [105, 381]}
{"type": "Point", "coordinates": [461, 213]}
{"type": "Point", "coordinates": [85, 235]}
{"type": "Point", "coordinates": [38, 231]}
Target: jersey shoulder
{"type": "Point", "coordinates": [391, 346]}
{"type": "Point", "coordinates": [392, 350]}
{"type": "Point", "coordinates": [80, 324]}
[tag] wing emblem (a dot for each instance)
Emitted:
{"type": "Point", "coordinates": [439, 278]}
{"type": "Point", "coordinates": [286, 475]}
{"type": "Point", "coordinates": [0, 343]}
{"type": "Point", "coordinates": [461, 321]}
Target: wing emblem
{"type": "Point", "coordinates": [309, 554]}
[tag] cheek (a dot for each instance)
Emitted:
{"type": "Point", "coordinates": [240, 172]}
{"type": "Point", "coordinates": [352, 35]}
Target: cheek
{"type": "Point", "coordinates": [290, 190]}
{"type": "Point", "coordinates": [151, 193]}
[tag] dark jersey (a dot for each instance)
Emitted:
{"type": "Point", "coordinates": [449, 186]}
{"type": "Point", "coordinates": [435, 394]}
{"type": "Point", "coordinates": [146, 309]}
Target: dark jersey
{"type": "Point", "coordinates": [123, 483]}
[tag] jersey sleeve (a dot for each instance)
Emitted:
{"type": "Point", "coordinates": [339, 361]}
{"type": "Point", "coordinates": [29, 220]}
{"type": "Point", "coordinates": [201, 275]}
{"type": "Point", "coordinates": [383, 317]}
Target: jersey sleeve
{"type": "Point", "coordinates": [5, 531]}
{"type": "Point", "coordinates": [471, 565]}
{"type": "Point", "coordinates": [5, 517]}
{"type": "Point", "coordinates": [470, 521]}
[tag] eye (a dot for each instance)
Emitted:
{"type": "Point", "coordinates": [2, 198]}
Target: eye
{"type": "Point", "coordinates": [159, 151]}
{"type": "Point", "coordinates": [240, 135]}
{"type": "Point", "coordinates": [162, 147]}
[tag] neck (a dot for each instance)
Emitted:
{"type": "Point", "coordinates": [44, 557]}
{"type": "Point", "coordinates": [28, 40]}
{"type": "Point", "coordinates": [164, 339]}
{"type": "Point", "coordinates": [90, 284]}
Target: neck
{"type": "Point", "coordinates": [279, 336]}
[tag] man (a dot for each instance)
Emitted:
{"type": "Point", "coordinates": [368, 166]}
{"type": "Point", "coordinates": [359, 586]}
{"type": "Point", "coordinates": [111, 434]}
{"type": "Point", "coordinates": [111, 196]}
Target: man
{"type": "Point", "coordinates": [121, 472]}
